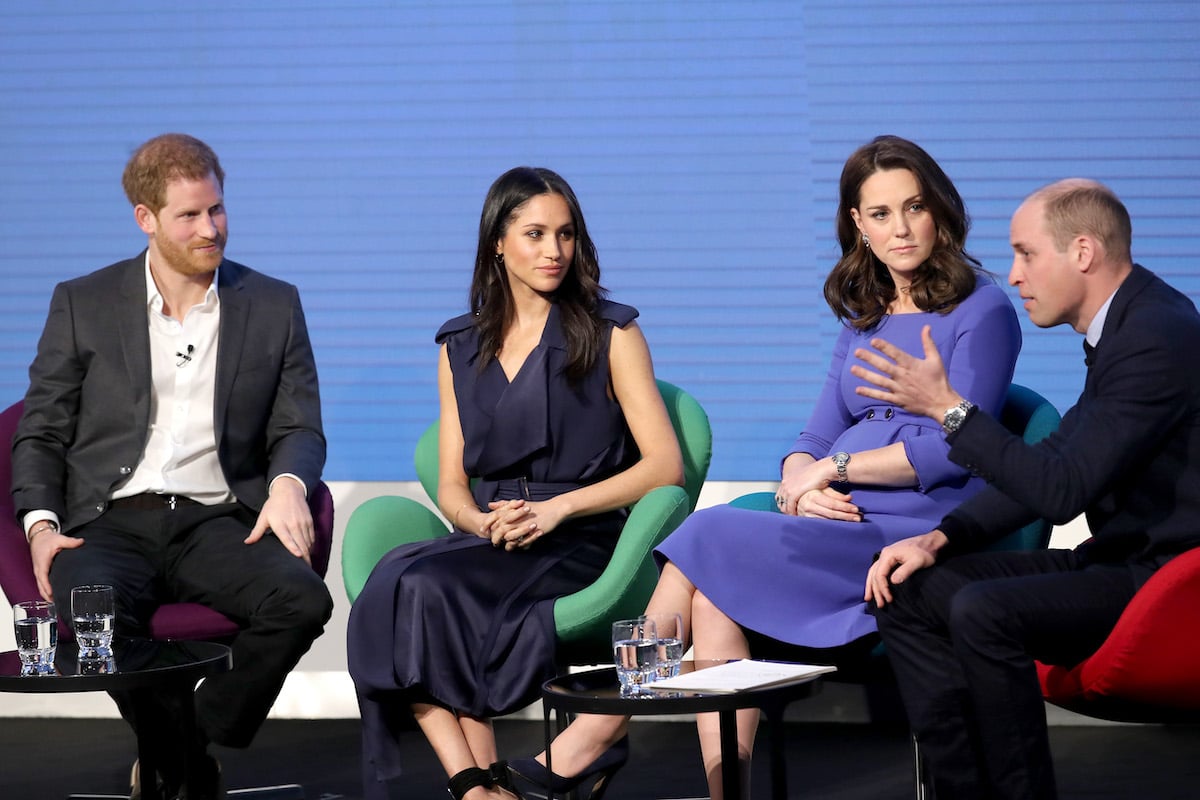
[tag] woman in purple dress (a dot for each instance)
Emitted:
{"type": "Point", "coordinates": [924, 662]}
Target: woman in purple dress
{"type": "Point", "coordinates": [863, 474]}
{"type": "Point", "coordinates": [551, 426]}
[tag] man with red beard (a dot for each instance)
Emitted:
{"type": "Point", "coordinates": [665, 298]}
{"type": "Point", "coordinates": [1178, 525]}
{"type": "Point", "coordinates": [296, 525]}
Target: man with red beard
{"type": "Point", "coordinates": [171, 432]}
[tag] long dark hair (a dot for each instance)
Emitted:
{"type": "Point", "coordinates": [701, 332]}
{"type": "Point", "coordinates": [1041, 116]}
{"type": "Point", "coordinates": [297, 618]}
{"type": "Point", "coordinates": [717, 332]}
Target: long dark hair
{"type": "Point", "coordinates": [859, 288]}
{"type": "Point", "coordinates": [578, 295]}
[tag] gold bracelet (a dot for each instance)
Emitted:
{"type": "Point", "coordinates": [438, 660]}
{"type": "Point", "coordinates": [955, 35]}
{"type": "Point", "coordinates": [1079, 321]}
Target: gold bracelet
{"type": "Point", "coordinates": [454, 519]}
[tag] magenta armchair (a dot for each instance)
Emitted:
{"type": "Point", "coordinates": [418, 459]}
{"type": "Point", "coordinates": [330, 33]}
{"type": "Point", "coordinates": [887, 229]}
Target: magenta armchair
{"type": "Point", "coordinates": [171, 621]}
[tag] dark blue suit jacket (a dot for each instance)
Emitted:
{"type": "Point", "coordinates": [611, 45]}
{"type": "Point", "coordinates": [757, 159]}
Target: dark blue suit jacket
{"type": "Point", "coordinates": [87, 410]}
{"type": "Point", "coordinates": [1127, 454]}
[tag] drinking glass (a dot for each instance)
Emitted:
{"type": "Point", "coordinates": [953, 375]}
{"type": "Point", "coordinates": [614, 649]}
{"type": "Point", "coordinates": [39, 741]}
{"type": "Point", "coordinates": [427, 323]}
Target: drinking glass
{"type": "Point", "coordinates": [36, 626]}
{"type": "Point", "coordinates": [669, 628]}
{"type": "Point", "coordinates": [92, 614]}
{"type": "Point", "coordinates": [635, 653]}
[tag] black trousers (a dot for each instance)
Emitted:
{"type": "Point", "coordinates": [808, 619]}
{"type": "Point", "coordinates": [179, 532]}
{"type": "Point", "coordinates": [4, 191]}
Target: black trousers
{"type": "Point", "coordinates": [962, 637]}
{"type": "Point", "coordinates": [196, 553]}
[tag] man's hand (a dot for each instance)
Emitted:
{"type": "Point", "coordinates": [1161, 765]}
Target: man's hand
{"type": "Point", "coordinates": [899, 560]}
{"type": "Point", "coordinates": [915, 384]}
{"type": "Point", "coordinates": [286, 514]}
{"type": "Point", "coordinates": [42, 549]}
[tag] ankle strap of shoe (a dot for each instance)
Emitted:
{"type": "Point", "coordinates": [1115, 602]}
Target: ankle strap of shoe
{"type": "Point", "coordinates": [467, 780]}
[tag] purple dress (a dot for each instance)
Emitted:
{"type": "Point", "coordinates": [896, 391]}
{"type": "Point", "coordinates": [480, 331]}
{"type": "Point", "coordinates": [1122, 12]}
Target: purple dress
{"type": "Point", "coordinates": [455, 621]}
{"type": "Point", "coordinates": [800, 580]}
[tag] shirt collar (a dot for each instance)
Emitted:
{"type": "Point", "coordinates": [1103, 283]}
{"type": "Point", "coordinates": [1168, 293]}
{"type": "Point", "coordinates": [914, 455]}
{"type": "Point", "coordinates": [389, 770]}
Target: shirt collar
{"type": "Point", "coordinates": [1096, 327]}
{"type": "Point", "coordinates": [154, 298]}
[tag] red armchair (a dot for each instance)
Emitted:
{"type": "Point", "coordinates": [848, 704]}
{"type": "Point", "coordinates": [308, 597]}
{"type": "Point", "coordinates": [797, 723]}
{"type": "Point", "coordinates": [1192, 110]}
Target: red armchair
{"type": "Point", "coordinates": [1148, 669]}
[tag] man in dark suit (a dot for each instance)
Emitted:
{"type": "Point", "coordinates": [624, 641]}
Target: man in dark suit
{"type": "Point", "coordinates": [963, 627]}
{"type": "Point", "coordinates": [171, 432]}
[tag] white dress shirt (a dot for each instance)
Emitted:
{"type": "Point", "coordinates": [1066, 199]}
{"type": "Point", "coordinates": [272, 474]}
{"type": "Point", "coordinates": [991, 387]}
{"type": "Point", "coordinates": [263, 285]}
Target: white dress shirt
{"type": "Point", "coordinates": [181, 448]}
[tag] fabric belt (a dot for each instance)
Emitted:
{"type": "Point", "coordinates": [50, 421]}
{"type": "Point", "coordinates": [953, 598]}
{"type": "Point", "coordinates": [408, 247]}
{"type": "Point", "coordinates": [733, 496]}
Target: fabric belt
{"type": "Point", "coordinates": [150, 501]}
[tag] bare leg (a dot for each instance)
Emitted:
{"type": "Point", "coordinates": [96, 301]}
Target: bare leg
{"type": "Point", "coordinates": [453, 739]}
{"type": "Point", "coordinates": [590, 735]}
{"type": "Point", "coordinates": [480, 738]}
{"type": "Point", "coordinates": [716, 636]}
{"type": "Point", "coordinates": [673, 593]}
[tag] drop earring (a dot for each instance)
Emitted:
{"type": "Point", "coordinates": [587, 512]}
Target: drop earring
{"type": "Point", "coordinates": [866, 240]}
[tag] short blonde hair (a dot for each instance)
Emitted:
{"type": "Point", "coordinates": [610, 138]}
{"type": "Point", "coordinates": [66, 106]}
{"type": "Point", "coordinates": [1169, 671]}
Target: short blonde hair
{"type": "Point", "coordinates": [163, 159]}
{"type": "Point", "coordinates": [1078, 206]}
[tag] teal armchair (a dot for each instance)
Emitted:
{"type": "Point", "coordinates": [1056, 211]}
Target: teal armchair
{"type": "Point", "coordinates": [1025, 412]}
{"type": "Point", "coordinates": [582, 619]}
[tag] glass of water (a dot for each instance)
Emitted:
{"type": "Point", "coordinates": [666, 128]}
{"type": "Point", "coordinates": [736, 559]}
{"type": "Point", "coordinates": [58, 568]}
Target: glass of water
{"type": "Point", "coordinates": [635, 652]}
{"type": "Point", "coordinates": [36, 626]}
{"type": "Point", "coordinates": [92, 614]}
{"type": "Point", "coordinates": [669, 628]}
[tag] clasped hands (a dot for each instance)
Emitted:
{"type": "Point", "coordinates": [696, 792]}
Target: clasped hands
{"type": "Point", "coordinates": [517, 524]}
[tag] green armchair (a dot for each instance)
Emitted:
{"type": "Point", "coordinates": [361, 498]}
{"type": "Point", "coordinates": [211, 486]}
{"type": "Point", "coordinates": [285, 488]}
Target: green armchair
{"type": "Point", "coordinates": [582, 619]}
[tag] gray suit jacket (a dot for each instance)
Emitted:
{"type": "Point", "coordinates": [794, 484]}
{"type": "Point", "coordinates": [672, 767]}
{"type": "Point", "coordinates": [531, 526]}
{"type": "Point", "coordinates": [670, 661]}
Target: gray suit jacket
{"type": "Point", "coordinates": [87, 411]}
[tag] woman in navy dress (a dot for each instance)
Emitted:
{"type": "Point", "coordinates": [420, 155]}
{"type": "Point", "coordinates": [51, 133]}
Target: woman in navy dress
{"type": "Point", "coordinates": [551, 426]}
{"type": "Point", "coordinates": [862, 474]}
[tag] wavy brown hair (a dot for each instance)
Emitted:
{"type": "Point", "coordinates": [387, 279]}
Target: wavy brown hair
{"type": "Point", "coordinates": [860, 288]}
{"type": "Point", "coordinates": [577, 297]}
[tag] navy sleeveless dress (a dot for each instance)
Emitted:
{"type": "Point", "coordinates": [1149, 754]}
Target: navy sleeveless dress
{"type": "Point", "coordinates": [455, 621]}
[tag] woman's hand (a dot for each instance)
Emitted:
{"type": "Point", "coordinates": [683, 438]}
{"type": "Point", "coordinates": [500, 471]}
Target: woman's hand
{"type": "Point", "coordinates": [802, 475]}
{"type": "Point", "coordinates": [515, 524]}
{"type": "Point", "coordinates": [828, 503]}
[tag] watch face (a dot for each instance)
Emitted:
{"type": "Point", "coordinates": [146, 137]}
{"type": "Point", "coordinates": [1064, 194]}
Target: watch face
{"type": "Point", "coordinates": [954, 418]}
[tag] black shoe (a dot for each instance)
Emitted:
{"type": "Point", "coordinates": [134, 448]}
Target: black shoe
{"type": "Point", "coordinates": [207, 782]}
{"type": "Point", "coordinates": [468, 779]}
{"type": "Point", "coordinates": [598, 774]}
{"type": "Point", "coordinates": [495, 776]}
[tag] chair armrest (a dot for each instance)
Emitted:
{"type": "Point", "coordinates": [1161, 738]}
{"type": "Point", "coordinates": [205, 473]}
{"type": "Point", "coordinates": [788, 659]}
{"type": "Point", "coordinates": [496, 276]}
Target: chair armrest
{"type": "Point", "coordinates": [1152, 655]}
{"type": "Point", "coordinates": [377, 526]}
{"type": "Point", "coordinates": [756, 501]}
{"type": "Point", "coordinates": [627, 582]}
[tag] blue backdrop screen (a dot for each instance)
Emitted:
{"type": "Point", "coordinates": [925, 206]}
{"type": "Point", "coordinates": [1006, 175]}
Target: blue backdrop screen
{"type": "Point", "coordinates": [704, 140]}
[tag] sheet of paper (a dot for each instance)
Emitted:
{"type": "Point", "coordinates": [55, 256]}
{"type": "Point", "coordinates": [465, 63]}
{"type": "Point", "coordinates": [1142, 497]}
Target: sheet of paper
{"type": "Point", "coordinates": [736, 676]}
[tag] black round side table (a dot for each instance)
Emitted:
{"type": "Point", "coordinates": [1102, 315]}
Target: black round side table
{"type": "Point", "coordinates": [597, 692]}
{"type": "Point", "coordinates": [139, 666]}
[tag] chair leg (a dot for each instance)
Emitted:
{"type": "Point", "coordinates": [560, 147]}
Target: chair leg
{"type": "Point", "coordinates": [919, 776]}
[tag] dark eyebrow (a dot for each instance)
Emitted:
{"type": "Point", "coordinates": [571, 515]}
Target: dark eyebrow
{"type": "Point", "coordinates": [915, 198]}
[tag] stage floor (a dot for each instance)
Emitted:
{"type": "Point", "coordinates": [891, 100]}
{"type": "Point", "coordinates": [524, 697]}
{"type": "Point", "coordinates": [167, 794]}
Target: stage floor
{"type": "Point", "coordinates": [825, 761]}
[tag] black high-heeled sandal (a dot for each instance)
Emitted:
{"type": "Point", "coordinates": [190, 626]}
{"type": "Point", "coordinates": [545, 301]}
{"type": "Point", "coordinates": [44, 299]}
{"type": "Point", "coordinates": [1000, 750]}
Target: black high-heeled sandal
{"type": "Point", "coordinates": [599, 773]}
{"type": "Point", "coordinates": [466, 780]}
{"type": "Point", "coordinates": [501, 779]}
{"type": "Point", "coordinates": [494, 776]}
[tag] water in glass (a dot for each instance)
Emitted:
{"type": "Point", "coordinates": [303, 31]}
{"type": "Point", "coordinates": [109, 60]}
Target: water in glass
{"type": "Point", "coordinates": [36, 628]}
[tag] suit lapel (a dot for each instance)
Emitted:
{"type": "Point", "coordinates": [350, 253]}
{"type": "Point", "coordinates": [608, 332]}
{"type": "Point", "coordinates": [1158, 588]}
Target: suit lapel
{"type": "Point", "coordinates": [235, 313]}
{"type": "Point", "coordinates": [135, 334]}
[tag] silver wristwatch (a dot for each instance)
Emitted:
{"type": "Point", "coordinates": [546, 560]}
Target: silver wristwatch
{"type": "Point", "coordinates": [840, 460]}
{"type": "Point", "coordinates": [955, 417]}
